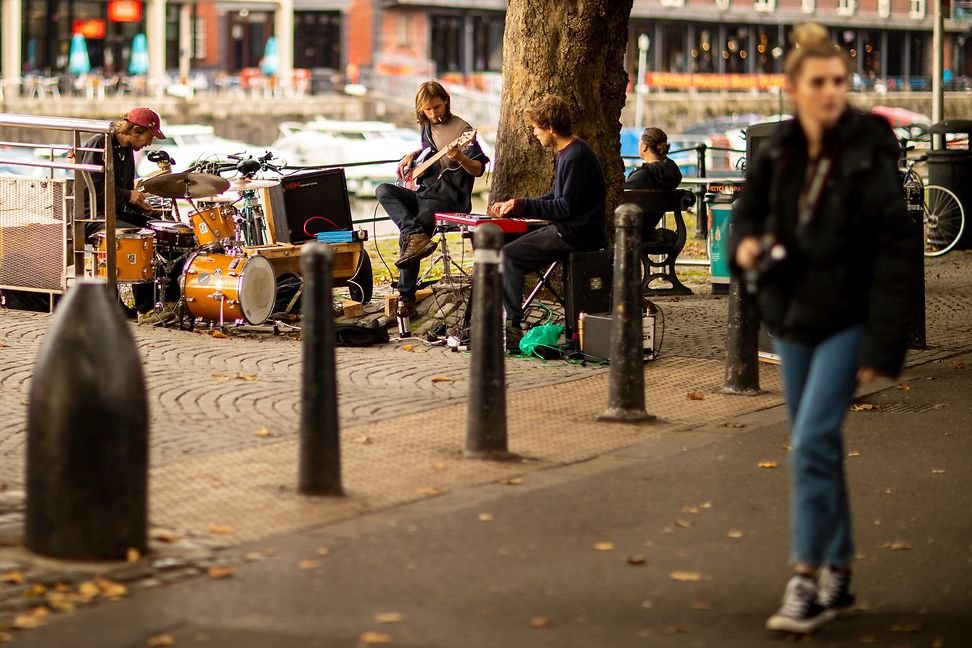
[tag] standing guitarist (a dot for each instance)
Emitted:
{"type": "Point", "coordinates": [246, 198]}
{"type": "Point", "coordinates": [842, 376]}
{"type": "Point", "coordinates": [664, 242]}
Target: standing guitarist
{"type": "Point", "coordinates": [446, 187]}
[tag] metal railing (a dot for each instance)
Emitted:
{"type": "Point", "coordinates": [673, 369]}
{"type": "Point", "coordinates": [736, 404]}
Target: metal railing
{"type": "Point", "coordinates": [82, 179]}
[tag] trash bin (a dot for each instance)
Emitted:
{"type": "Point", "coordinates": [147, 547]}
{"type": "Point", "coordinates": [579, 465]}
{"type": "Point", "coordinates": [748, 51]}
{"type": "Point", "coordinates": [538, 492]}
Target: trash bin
{"type": "Point", "coordinates": [952, 168]}
{"type": "Point", "coordinates": [720, 219]}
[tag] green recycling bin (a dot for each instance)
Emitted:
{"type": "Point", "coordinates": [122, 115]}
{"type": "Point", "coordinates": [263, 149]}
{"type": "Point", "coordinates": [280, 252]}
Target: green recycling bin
{"type": "Point", "coordinates": [720, 219]}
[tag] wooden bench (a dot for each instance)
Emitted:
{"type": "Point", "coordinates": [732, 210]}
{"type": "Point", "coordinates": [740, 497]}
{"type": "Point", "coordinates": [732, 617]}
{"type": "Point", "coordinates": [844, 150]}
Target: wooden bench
{"type": "Point", "coordinates": [660, 241]}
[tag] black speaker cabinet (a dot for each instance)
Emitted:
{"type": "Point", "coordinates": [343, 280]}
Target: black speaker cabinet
{"type": "Point", "coordinates": [315, 201]}
{"type": "Point", "coordinates": [587, 284]}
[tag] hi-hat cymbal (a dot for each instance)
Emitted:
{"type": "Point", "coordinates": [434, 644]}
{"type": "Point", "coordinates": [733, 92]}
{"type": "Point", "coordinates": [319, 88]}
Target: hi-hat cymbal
{"type": "Point", "coordinates": [173, 185]}
{"type": "Point", "coordinates": [246, 184]}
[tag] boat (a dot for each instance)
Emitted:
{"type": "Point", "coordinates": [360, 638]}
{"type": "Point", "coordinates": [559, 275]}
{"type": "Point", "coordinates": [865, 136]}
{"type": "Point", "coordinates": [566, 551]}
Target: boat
{"type": "Point", "coordinates": [189, 143]}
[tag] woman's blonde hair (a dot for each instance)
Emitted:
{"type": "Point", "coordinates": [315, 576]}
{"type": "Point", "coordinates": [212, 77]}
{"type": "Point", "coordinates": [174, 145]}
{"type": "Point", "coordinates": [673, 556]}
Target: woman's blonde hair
{"type": "Point", "coordinates": [427, 92]}
{"type": "Point", "coordinates": [811, 40]}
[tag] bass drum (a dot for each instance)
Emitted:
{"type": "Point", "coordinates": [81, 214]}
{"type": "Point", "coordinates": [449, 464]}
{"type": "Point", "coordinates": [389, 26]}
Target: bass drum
{"type": "Point", "coordinates": [225, 288]}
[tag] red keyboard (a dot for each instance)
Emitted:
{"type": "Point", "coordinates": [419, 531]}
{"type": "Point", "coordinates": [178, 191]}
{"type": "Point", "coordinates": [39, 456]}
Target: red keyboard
{"type": "Point", "coordinates": [508, 225]}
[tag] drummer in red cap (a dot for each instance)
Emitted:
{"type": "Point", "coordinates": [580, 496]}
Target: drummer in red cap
{"type": "Point", "coordinates": [132, 133]}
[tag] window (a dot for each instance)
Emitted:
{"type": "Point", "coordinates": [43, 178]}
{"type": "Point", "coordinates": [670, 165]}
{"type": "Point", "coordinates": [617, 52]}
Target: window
{"type": "Point", "coordinates": [488, 43]}
{"type": "Point", "coordinates": [764, 5]}
{"type": "Point", "coordinates": [722, 5]}
{"type": "Point", "coordinates": [317, 39]}
{"type": "Point", "coordinates": [446, 43]}
{"type": "Point", "coordinates": [918, 8]}
{"type": "Point", "coordinates": [808, 6]}
{"type": "Point", "coordinates": [846, 7]}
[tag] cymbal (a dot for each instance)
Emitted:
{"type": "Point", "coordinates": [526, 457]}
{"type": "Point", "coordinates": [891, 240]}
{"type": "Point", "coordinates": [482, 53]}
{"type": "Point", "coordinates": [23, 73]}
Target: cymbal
{"type": "Point", "coordinates": [218, 199]}
{"type": "Point", "coordinates": [246, 184]}
{"type": "Point", "coordinates": [173, 185]}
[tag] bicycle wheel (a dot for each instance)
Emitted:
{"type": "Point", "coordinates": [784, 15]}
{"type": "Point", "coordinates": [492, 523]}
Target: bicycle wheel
{"type": "Point", "coordinates": [944, 220]}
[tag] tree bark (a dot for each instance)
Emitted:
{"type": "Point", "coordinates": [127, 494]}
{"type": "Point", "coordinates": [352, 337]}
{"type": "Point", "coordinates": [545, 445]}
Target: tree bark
{"type": "Point", "coordinates": [573, 48]}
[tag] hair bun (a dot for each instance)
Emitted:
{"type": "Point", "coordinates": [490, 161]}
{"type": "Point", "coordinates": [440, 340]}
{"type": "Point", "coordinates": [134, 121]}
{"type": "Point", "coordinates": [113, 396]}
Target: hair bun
{"type": "Point", "coordinates": [811, 34]}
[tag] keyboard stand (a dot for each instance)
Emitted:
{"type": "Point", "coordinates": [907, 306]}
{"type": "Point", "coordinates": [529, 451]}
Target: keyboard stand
{"type": "Point", "coordinates": [444, 257]}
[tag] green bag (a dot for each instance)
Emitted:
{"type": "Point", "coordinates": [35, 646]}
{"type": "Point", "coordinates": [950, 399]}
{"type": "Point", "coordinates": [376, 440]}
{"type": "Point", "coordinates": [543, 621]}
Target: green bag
{"type": "Point", "coordinates": [542, 341]}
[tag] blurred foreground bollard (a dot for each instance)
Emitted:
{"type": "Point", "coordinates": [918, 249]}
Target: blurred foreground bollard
{"type": "Point", "coordinates": [742, 343]}
{"type": "Point", "coordinates": [626, 391]}
{"type": "Point", "coordinates": [320, 443]}
{"type": "Point", "coordinates": [87, 434]}
{"type": "Point", "coordinates": [486, 417]}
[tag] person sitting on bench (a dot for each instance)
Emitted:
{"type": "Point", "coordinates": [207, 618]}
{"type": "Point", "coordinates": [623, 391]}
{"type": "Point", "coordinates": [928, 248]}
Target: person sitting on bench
{"type": "Point", "coordinates": [575, 206]}
{"type": "Point", "coordinates": [657, 172]}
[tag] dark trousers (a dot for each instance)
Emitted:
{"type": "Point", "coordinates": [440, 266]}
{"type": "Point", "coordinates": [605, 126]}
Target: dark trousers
{"type": "Point", "coordinates": [413, 213]}
{"type": "Point", "coordinates": [524, 255]}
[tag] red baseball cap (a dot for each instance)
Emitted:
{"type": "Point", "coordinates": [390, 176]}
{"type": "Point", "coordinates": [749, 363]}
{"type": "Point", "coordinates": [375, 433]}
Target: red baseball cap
{"type": "Point", "coordinates": [147, 118]}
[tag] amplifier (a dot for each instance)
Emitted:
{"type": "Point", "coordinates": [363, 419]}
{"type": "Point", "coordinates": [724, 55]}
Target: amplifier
{"type": "Point", "coordinates": [595, 335]}
{"type": "Point", "coordinates": [314, 201]}
{"type": "Point", "coordinates": [587, 284]}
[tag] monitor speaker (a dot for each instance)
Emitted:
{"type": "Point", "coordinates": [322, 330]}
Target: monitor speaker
{"type": "Point", "coordinates": [313, 202]}
{"type": "Point", "coordinates": [587, 284]}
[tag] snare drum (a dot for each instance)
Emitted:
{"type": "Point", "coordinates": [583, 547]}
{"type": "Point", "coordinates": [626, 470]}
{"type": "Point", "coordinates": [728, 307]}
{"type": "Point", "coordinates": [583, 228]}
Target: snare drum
{"type": "Point", "coordinates": [134, 253]}
{"type": "Point", "coordinates": [226, 288]}
{"type": "Point", "coordinates": [214, 224]}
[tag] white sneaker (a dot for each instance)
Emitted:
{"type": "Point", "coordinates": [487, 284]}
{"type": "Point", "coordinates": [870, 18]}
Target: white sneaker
{"type": "Point", "coordinates": [800, 611]}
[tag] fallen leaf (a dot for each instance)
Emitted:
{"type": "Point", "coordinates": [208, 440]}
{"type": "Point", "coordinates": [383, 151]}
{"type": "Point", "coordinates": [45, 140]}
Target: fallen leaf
{"type": "Point", "coordinates": [604, 546]}
{"type": "Point", "coordinates": [637, 560]}
{"type": "Point", "coordinates": [897, 545]}
{"type": "Point", "coordinates": [686, 576]}
{"type": "Point", "coordinates": [363, 439]}
{"type": "Point", "coordinates": [262, 433]}
{"type": "Point", "coordinates": [88, 590]}
{"type": "Point", "coordinates": [904, 387]}
{"type": "Point", "coordinates": [247, 376]}
{"type": "Point", "coordinates": [957, 364]}
{"type": "Point", "coordinates": [27, 621]}
{"type": "Point", "coordinates": [684, 524]}
{"type": "Point", "coordinates": [221, 529]}
{"type": "Point", "coordinates": [375, 639]}
{"type": "Point", "coordinates": [705, 505]}
{"type": "Point", "coordinates": [701, 605]}
{"type": "Point", "coordinates": [308, 564]}
{"type": "Point", "coordinates": [516, 481]}
{"type": "Point", "coordinates": [13, 578]}
{"type": "Point", "coordinates": [389, 617]}
{"type": "Point", "coordinates": [161, 640]}
{"type": "Point", "coordinates": [767, 464]}
{"type": "Point", "coordinates": [677, 628]}
{"type": "Point", "coordinates": [867, 639]}
{"type": "Point", "coordinates": [111, 589]}
{"type": "Point", "coordinates": [696, 395]}
{"type": "Point", "coordinates": [438, 466]}
{"type": "Point", "coordinates": [323, 551]}
{"type": "Point", "coordinates": [938, 471]}
{"type": "Point", "coordinates": [251, 556]}
{"type": "Point", "coordinates": [853, 453]}
{"type": "Point", "coordinates": [430, 490]}
{"type": "Point", "coordinates": [733, 424]}
{"type": "Point", "coordinates": [485, 517]}
{"type": "Point", "coordinates": [648, 604]}
{"type": "Point", "coordinates": [540, 623]}
{"type": "Point", "coordinates": [735, 534]}
{"type": "Point", "coordinates": [690, 509]}
{"type": "Point", "coordinates": [164, 535]}
{"type": "Point", "coordinates": [132, 555]}
{"type": "Point", "coordinates": [863, 407]}
{"type": "Point", "coordinates": [218, 572]}
{"type": "Point", "coordinates": [219, 335]}
{"type": "Point", "coordinates": [407, 347]}
{"type": "Point", "coordinates": [437, 379]}
{"type": "Point", "coordinates": [907, 627]}
{"type": "Point", "coordinates": [5, 637]}
{"type": "Point", "coordinates": [269, 552]}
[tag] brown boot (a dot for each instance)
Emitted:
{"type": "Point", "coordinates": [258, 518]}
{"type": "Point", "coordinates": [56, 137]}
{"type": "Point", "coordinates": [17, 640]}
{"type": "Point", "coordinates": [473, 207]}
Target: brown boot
{"type": "Point", "coordinates": [417, 247]}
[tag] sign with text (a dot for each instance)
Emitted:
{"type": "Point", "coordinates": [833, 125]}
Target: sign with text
{"type": "Point", "coordinates": [685, 81]}
{"type": "Point", "coordinates": [124, 10]}
{"type": "Point", "coordinates": [94, 28]}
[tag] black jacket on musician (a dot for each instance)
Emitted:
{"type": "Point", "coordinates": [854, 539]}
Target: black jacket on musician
{"type": "Point", "coordinates": [857, 260]}
{"type": "Point", "coordinates": [124, 168]}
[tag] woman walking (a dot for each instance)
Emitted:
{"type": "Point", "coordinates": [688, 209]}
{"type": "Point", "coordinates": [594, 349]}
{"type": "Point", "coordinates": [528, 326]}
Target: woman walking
{"type": "Point", "coordinates": [822, 235]}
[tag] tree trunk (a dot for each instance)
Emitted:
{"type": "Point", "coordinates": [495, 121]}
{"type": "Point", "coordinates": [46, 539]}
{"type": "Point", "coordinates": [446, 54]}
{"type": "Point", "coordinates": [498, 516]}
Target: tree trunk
{"type": "Point", "coordinates": [573, 48]}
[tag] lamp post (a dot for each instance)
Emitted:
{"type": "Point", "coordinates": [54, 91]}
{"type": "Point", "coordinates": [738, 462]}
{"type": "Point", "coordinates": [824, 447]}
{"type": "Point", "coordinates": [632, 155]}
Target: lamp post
{"type": "Point", "coordinates": [643, 44]}
{"type": "Point", "coordinates": [777, 53]}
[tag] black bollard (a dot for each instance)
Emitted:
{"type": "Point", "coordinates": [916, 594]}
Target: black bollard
{"type": "Point", "coordinates": [87, 434]}
{"type": "Point", "coordinates": [320, 443]}
{"type": "Point", "coordinates": [486, 418]}
{"type": "Point", "coordinates": [742, 343]}
{"type": "Point", "coordinates": [915, 201]}
{"type": "Point", "coordinates": [626, 390]}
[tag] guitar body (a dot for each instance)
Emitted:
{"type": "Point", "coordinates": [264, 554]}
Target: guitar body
{"type": "Point", "coordinates": [423, 163]}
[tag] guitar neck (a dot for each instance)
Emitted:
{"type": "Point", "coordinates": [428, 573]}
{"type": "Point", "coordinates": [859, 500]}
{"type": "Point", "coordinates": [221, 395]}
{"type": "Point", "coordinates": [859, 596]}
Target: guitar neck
{"type": "Point", "coordinates": [425, 166]}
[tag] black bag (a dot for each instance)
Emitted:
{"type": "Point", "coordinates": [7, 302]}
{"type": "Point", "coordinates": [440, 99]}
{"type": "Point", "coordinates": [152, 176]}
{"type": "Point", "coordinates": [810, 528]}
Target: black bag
{"type": "Point", "coordinates": [355, 335]}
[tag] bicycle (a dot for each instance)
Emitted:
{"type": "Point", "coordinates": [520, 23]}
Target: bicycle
{"type": "Point", "coordinates": [943, 216]}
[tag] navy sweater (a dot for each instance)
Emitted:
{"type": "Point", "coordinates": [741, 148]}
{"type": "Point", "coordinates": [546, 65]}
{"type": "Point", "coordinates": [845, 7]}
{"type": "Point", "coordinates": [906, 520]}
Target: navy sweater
{"type": "Point", "coordinates": [576, 204]}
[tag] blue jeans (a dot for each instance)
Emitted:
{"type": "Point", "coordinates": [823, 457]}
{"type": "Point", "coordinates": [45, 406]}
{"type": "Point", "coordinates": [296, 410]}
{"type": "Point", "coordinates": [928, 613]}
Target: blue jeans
{"type": "Point", "coordinates": [819, 381]}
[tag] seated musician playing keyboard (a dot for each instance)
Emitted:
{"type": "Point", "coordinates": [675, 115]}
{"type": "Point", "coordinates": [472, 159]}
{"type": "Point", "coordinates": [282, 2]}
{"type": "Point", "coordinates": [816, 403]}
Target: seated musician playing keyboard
{"type": "Point", "coordinates": [575, 206]}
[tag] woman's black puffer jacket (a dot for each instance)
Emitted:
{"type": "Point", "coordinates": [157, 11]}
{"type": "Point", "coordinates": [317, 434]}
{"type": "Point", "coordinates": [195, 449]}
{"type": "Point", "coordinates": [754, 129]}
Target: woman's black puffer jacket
{"type": "Point", "coordinates": [859, 257]}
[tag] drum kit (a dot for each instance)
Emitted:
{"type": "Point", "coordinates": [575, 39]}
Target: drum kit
{"type": "Point", "coordinates": [201, 266]}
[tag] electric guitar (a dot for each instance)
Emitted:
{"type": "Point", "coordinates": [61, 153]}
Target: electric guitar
{"type": "Point", "coordinates": [413, 176]}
